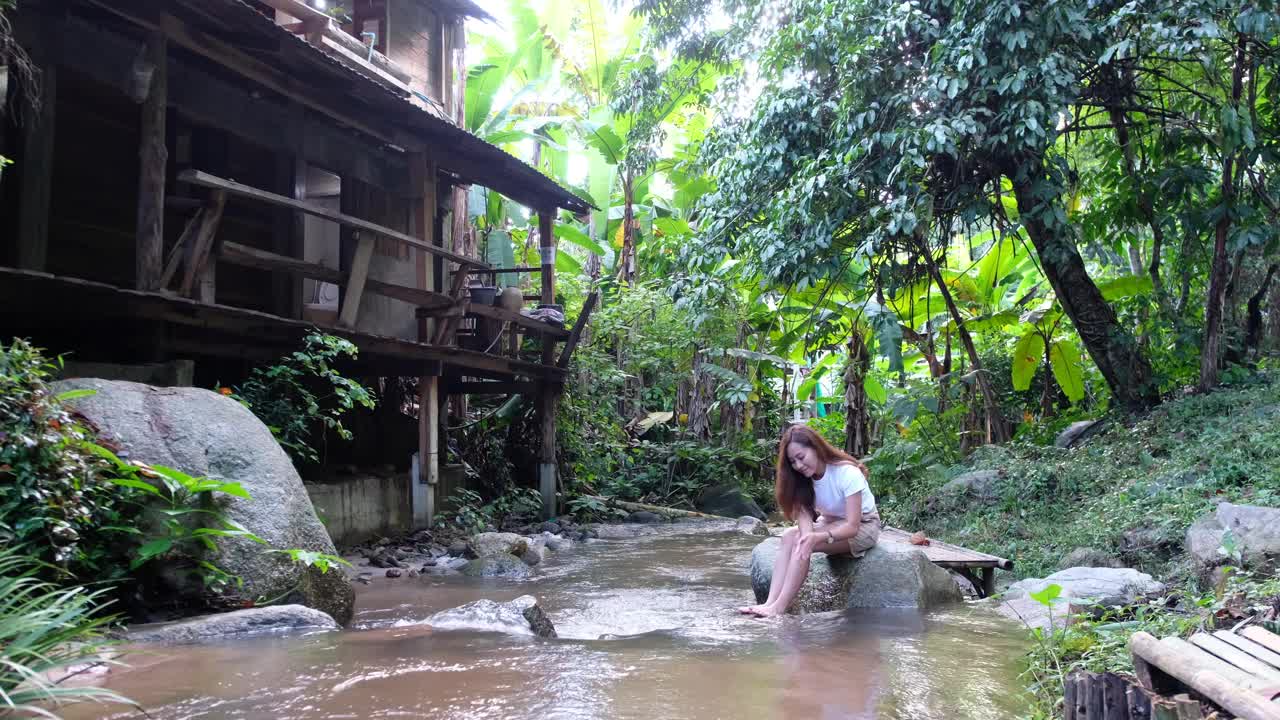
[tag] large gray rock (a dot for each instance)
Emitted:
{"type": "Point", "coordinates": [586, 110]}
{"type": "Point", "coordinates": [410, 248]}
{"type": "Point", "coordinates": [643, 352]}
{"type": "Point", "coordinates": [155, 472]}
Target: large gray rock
{"type": "Point", "coordinates": [1079, 586]}
{"type": "Point", "coordinates": [522, 616]}
{"type": "Point", "coordinates": [1254, 533]}
{"type": "Point", "coordinates": [982, 486]}
{"type": "Point", "coordinates": [1089, 557]}
{"type": "Point", "coordinates": [203, 433]}
{"type": "Point", "coordinates": [254, 621]}
{"type": "Point", "coordinates": [890, 575]}
{"type": "Point", "coordinates": [729, 501]}
{"type": "Point", "coordinates": [507, 566]}
{"type": "Point", "coordinates": [1078, 432]}
{"type": "Point", "coordinates": [496, 543]}
{"type": "Point", "coordinates": [748, 525]}
{"type": "Point", "coordinates": [1097, 585]}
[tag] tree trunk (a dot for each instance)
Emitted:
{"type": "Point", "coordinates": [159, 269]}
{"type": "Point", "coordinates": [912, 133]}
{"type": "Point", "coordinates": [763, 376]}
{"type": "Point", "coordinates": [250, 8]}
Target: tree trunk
{"type": "Point", "coordinates": [997, 426]}
{"type": "Point", "coordinates": [1253, 329]}
{"type": "Point", "coordinates": [1111, 346]}
{"type": "Point", "coordinates": [857, 440]}
{"type": "Point", "coordinates": [626, 260]}
{"type": "Point", "coordinates": [1209, 355]}
{"type": "Point", "coordinates": [1046, 397]}
{"type": "Point", "coordinates": [700, 400]}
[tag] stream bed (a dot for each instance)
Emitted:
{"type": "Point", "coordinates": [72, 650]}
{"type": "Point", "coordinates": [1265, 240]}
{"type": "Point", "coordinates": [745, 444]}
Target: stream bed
{"type": "Point", "coordinates": [647, 631]}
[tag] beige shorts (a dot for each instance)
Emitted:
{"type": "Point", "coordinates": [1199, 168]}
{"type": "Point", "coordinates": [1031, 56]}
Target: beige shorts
{"type": "Point", "coordinates": [868, 534]}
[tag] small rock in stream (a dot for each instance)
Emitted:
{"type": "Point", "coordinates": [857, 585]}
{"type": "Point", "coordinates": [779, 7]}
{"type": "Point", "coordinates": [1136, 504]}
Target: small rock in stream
{"type": "Point", "coordinates": [393, 572]}
{"type": "Point", "coordinates": [550, 527]}
{"type": "Point", "coordinates": [522, 616]}
{"type": "Point", "coordinates": [644, 516]}
{"type": "Point", "coordinates": [428, 562]}
{"type": "Point", "coordinates": [458, 547]}
{"type": "Point", "coordinates": [531, 557]}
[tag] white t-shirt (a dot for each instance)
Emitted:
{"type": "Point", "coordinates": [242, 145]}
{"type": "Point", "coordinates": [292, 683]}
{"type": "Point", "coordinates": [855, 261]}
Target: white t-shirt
{"type": "Point", "coordinates": [838, 483]}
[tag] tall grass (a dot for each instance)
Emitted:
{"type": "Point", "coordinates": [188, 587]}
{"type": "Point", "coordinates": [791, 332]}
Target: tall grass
{"type": "Point", "coordinates": [48, 635]}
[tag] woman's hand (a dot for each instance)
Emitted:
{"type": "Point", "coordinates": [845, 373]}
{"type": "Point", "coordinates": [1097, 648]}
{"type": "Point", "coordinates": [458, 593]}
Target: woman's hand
{"type": "Point", "coordinates": [810, 541]}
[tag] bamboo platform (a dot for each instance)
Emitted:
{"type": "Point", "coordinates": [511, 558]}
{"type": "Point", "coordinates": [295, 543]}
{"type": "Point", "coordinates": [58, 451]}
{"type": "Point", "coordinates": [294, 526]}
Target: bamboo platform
{"type": "Point", "coordinates": [1237, 671]}
{"type": "Point", "coordinates": [953, 557]}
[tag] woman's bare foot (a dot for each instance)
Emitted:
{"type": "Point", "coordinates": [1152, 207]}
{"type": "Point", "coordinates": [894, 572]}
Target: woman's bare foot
{"type": "Point", "coordinates": [751, 609]}
{"type": "Point", "coordinates": [768, 611]}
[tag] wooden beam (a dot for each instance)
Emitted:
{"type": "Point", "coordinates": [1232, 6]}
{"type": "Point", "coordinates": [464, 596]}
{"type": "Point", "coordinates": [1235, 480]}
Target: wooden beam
{"type": "Point", "coordinates": [179, 251]}
{"type": "Point", "coordinates": [576, 334]}
{"type": "Point", "coordinates": [246, 256]}
{"type": "Point", "coordinates": [492, 388]}
{"type": "Point", "coordinates": [17, 287]}
{"type": "Point", "coordinates": [502, 314]}
{"type": "Point", "coordinates": [495, 271]}
{"type": "Point", "coordinates": [354, 291]}
{"type": "Point", "coordinates": [153, 168]}
{"type": "Point", "coordinates": [450, 324]}
{"type": "Point", "coordinates": [201, 247]}
{"type": "Point", "coordinates": [196, 177]}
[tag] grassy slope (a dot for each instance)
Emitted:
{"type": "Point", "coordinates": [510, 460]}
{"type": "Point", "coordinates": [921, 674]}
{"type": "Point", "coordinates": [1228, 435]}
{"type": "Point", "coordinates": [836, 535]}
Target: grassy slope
{"type": "Point", "coordinates": [1160, 473]}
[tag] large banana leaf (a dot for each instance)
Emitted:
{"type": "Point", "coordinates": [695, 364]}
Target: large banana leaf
{"type": "Point", "coordinates": [1027, 356]}
{"type": "Point", "coordinates": [1068, 369]}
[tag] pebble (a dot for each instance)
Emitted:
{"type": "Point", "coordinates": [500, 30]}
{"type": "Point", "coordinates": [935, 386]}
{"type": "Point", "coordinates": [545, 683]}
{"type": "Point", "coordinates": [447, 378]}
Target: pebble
{"type": "Point", "coordinates": [393, 572]}
{"type": "Point", "coordinates": [458, 547]}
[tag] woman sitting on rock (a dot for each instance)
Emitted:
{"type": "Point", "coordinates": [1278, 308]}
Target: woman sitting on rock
{"type": "Point", "coordinates": [824, 490]}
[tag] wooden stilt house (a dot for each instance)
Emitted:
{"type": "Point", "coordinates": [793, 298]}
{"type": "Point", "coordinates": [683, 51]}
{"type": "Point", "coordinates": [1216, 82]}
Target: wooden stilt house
{"type": "Point", "coordinates": [209, 179]}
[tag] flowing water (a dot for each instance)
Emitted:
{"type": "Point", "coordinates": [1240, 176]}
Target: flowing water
{"type": "Point", "coordinates": [646, 631]}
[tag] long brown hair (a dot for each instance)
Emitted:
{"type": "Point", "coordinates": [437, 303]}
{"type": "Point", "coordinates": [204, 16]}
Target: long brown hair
{"type": "Point", "coordinates": [794, 492]}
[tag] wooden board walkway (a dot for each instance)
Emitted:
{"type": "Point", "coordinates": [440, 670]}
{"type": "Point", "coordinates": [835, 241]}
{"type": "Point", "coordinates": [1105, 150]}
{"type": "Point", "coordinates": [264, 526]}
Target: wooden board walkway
{"type": "Point", "coordinates": [1237, 671]}
{"type": "Point", "coordinates": [953, 557]}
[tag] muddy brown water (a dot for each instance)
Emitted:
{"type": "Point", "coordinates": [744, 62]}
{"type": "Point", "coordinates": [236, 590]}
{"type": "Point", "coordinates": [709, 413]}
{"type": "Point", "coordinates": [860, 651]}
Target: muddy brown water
{"type": "Point", "coordinates": [647, 631]}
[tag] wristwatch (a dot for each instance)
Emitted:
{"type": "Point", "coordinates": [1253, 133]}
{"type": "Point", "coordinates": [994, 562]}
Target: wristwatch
{"type": "Point", "coordinates": [831, 538]}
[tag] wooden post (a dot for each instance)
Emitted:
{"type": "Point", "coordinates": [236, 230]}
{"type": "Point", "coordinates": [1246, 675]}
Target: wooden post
{"type": "Point", "coordinates": [547, 398]}
{"type": "Point", "coordinates": [547, 245]}
{"type": "Point", "coordinates": [550, 394]}
{"type": "Point", "coordinates": [154, 161]}
{"type": "Point", "coordinates": [35, 166]}
{"type": "Point", "coordinates": [429, 440]}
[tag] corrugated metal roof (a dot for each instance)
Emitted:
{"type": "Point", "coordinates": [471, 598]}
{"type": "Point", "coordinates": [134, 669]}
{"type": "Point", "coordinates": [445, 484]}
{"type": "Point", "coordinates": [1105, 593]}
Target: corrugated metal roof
{"type": "Point", "coordinates": [491, 166]}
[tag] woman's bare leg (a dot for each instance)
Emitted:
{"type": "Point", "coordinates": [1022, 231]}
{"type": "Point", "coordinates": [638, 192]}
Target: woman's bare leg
{"type": "Point", "coordinates": [796, 573]}
{"type": "Point", "coordinates": [781, 566]}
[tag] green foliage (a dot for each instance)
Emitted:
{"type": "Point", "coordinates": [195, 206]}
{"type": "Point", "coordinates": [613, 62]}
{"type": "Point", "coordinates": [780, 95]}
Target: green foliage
{"type": "Point", "coordinates": [46, 633]}
{"type": "Point", "coordinates": [304, 392]}
{"type": "Point", "coordinates": [1155, 476]}
{"type": "Point", "coordinates": [60, 499]}
{"type": "Point", "coordinates": [472, 514]}
{"type": "Point", "coordinates": [181, 519]}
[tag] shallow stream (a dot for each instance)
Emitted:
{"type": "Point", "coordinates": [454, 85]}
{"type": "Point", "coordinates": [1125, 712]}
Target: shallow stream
{"type": "Point", "coordinates": [646, 631]}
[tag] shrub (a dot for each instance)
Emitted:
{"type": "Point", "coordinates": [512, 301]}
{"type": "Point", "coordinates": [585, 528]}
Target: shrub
{"type": "Point", "coordinates": [46, 632]}
{"type": "Point", "coordinates": [304, 391]}
{"type": "Point", "coordinates": [59, 501]}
